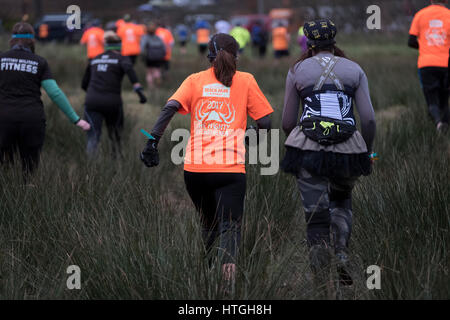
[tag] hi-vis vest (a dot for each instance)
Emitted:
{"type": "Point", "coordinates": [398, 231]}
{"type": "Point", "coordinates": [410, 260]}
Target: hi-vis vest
{"type": "Point", "coordinates": [328, 101]}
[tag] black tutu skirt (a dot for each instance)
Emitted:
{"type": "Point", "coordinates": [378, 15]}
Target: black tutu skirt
{"type": "Point", "coordinates": [327, 164]}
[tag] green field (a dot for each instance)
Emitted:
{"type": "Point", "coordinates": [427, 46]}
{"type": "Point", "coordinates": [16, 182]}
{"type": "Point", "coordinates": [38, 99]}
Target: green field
{"type": "Point", "coordinates": [135, 234]}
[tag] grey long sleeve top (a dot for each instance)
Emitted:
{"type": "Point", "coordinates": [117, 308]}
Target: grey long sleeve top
{"type": "Point", "coordinates": [307, 72]}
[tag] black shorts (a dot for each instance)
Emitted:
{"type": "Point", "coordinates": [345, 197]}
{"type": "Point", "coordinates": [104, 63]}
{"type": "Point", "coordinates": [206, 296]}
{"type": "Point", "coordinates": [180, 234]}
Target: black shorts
{"type": "Point", "coordinates": [154, 64]}
{"type": "Point", "coordinates": [281, 53]}
{"type": "Point", "coordinates": [183, 43]}
{"type": "Point", "coordinates": [202, 48]}
{"type": "Point", "coordinates": [166, 65]}
{"type": "Point", "coordinates": [216, 193]}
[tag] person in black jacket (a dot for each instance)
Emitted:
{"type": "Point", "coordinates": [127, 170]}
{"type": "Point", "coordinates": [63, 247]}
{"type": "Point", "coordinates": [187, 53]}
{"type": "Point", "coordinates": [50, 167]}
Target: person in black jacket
{"type": "Point", "coordinates": [22, 119]}
{"type": "Point", "coordinates": [102, 82]}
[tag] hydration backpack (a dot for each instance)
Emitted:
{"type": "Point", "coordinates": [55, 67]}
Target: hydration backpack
{"type": "Point", "coordinates": [328, 109]}
{"type": "Point", "coordinates": [155, 48]}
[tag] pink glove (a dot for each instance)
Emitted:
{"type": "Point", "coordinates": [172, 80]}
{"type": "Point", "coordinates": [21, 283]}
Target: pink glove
{"type": "Point", "coordinates": [84, 125]}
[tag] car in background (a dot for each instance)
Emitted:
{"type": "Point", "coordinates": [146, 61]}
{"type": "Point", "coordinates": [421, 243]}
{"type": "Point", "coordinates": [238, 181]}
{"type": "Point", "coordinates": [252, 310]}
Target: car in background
{"type": "Point", "coordinates": [53, 27]}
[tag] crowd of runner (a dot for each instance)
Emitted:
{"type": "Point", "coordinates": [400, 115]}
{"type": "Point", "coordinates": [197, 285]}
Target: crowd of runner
{"type": "Point", "coordinates": [325, 151]}
{"type": "Point", "coordinates": [257, 35]}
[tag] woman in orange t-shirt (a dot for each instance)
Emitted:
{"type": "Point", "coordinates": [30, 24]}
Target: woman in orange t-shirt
{"type": "Point", "coordinates": [280, 41]}
{"type": "Point", "coordinates": [93, 39]}
{"type": "Point", "coordinates": [219, 100]}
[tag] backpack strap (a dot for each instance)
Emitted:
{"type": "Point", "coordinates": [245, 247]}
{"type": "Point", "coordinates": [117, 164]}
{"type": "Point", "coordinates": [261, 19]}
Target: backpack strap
{"type": "Point", "coordinates": [327, 73]}
{"type": "Point", "coordinates": [336, 81]}
{"type": "Point", "coordinates": [145, 43]}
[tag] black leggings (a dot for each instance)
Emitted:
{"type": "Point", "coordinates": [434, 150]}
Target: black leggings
{"type": "Point", "coordinates": [219, 198]}
{"type": "Point", "coordinates": [114, 122]}
{"type": "Point", "coordinates": [434, 82]}
{"type": "Point", "coordinates": [27, 138]}
{"type": "Point", "coordinates": [133, 59]}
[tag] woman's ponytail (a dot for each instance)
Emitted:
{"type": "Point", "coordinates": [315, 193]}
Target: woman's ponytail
{"type": "Point", "coordinates": [224, 67]}
{"type": "Point", "coordinates": [223, 51]}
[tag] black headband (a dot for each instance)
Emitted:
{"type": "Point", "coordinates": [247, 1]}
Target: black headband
{"type": "Point", "coordinates": [212, 55]}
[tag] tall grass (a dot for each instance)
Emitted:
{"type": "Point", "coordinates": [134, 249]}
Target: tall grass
{"type": "Point", "coordinates": [135, 234]}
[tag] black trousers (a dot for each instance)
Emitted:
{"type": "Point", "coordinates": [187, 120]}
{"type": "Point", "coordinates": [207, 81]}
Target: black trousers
{"type": "Point", "coordinates": [262, 50]}
{"type": "Point", "coordinates": [113, 116]}
{"type": "Point", "coordinates": [435, 82]}
{"type": "Point", "coordinates": [202, 48]}
{"type": "Point", "coordinates": [219, 198]}
{"type": "Point", "coordinates": [25, 137]}
{"type": "Point", "coordinates": [133, 59]}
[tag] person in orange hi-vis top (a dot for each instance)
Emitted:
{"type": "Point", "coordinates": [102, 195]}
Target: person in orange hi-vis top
{"type": "Point", "coordinates": [130, 34]}
{"type": "Point", "coordinates": [280, 41]}
{"type": "Point", "coordinates": [43, 32]}
{"type": "Point", "coordinates": [203, 34]}
{"type": "Point", "coordinates": [168, 39]}
{"type": "Point", "coordinates": [218, 99]}
{"type": "Point", "coordinates": [93, 39]}
{"type": "Point", "coordinates": [119, 23]}
{"type": "Point", "coordinates": [430, 34]}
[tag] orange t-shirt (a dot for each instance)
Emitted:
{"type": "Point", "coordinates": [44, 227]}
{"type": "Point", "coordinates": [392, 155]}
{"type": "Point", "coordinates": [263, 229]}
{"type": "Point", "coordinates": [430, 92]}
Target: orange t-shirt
{"type": "Point", "coordinates": [143, 28]}
{"type": "Point", "coordinates": [119, 23]}
{"type": "Point", "coordinates": [202, 36]}
{"type": "Point", "coordinates": [431, 25]}
{"type": "Point", "coordinates": [280, 38]}
{"type": "Point", "coordinates": [43, 31]}
{"type": "Point", "coordinates": [130, 34]}
{"type": "Point", "coordinates": [93, 39]}
{"type": "Point", "coordinates": [167, 37]}
{"type": "Point", "coordinates": [219, 119]}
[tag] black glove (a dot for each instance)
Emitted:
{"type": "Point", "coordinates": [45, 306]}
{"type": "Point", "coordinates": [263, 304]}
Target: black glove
{"type": "Point", "coordinates": [142, 98]}
{"type": "Point", "coordinates": [150, 155]}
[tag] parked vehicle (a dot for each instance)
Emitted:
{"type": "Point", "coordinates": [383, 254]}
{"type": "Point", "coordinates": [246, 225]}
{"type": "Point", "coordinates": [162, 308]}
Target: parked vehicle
{"type": "Point", "coordinates": [53, 27]}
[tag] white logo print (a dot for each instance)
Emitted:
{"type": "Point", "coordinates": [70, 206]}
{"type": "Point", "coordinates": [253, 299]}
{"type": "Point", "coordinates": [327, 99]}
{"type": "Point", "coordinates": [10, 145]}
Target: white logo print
{"type": "Point", "coordinates": [436, 34]}
{"type": "Point", "coordinates": [212, 111]}
{"type": "Point", "coordinates": [436, 24]}
{"type": "Point", "coordinates": [216, 90]}
{"type": "Point", "coordinates": [216, 110]}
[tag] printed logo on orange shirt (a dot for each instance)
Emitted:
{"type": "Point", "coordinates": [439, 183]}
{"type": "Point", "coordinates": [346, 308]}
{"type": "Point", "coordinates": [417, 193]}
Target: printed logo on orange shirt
{"type": "Point", "coordinates": [436, 34]}
{"type": "Point", "coordinates": [216, 90]}
{"type": "Point", "coordinates": [92, 40]}
{"type": "Point", "coordinates": [212, 111]}
{"type": "Point", "coordinates": [217, 110]}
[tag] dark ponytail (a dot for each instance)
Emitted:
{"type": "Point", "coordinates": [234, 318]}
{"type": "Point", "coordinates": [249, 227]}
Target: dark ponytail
{"type": "Point", "coordinates": [224, 67]}
{"type": "Point", "coordinates": [223, 50]}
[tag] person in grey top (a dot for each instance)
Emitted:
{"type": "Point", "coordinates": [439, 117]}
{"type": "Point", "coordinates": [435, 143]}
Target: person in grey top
{"type": "Point", "coordinates": [324, 150]}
